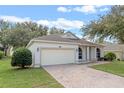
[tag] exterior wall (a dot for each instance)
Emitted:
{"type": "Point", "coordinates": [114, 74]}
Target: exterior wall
{"type": "Point", "coordinates": [102, 52]}
{"type": "Point", "coordinates": [37, 46]}
{"type": "Point", "coordinates": [93, 53]}
{"type": "Point", "coordinates": [88, 55]}
{"type": "Point", "coordinates": [83, 54]}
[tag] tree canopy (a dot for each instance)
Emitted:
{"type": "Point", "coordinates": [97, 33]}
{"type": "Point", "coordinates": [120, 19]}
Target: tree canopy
{"type": "Point", "coordinates": [19, 34]}
{"type": "Point", "coordinates": [55, 30]}
{"type": "Point", "coordinates": [109, 26]}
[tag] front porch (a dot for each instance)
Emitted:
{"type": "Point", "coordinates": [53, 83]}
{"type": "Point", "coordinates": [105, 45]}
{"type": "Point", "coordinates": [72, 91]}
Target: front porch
{"type": "Point", "coordinates": [87, 54]}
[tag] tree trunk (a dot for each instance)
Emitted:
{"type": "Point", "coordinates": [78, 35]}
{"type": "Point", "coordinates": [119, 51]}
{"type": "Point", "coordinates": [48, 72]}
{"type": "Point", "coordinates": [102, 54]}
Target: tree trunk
{"type": "Point", "coordinates": [5, 49]}
{"type": "Point", "coordinates": [5, 52]}
{"type": "Point", "coordinates": [23, 66]}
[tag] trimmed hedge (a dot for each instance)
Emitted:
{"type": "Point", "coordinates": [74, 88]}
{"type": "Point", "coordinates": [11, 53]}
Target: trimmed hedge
{"type": "Point", "coordinates": [110, 56]}
{"type": "Point", "coordinates": [1, 54]}
{"type": "Point", "coordinates": [21, 57]}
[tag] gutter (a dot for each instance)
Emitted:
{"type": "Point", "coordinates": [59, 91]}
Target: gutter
{"type": "Point", "coordinates": [47, 41]}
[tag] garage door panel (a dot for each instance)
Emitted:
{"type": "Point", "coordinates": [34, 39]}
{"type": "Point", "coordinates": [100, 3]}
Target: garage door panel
{"type": "Point", "coordinates": [57, 56]}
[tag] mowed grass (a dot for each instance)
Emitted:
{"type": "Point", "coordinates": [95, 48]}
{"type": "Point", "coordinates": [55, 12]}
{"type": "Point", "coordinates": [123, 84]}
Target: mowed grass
{"type": "Point", "coordinates": [116, 67]}
{"type": "Point", "coordinates": [24, 78]}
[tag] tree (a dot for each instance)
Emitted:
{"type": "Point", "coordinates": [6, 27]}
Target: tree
{"type": "Point", "coordinates": [4, 25]}
{"type": "Point", "coordinates": [22, 33]}
{"type": "Point", "coordinates": [4, 29]}
{"type": "Point", "coordinates": [109, 26]}
{"type": "Point", "coordinates": [18, 38]}
{"type": "Point", "coordinates": [55, 30]}
{"type": "Point", "coordinates": [33, 27]}
{"type": "Point", "coordinates": [19, 34]}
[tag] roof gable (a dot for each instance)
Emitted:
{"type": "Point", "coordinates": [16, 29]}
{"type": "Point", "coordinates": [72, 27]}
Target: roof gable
{"type": "Point", "coordinates": [70, 35]}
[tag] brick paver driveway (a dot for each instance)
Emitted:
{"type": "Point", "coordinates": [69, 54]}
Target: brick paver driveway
{"type": "Point", "coordinates": [81, 76]}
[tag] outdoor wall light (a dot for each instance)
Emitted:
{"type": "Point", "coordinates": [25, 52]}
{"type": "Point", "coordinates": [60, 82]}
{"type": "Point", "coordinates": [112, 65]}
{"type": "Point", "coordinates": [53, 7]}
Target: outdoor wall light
{"type": "Point", "coordinates": [38, 49]}
{"type": "Point", "coordinates": [60, 46]}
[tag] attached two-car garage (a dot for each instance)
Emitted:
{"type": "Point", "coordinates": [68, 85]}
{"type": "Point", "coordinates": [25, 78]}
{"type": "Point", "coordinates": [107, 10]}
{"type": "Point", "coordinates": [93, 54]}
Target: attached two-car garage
{"type": "Point", "coordinates": [57, 56]}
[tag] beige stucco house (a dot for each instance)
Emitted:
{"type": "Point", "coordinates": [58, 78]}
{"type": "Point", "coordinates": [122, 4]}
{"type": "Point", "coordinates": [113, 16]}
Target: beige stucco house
{"type": "Point", "coordinates": [63, 49]}
{"type": "Point", "coordinates": [118, 49]}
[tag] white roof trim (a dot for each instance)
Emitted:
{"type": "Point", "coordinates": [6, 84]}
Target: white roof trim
{"type": "Point", "coordinates": [47, 41]}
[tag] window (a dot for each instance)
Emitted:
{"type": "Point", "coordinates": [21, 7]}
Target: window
{"type": "Point", "coordinates": [79, 53]}
{"type": "Point", "coordinates": [98, 53]}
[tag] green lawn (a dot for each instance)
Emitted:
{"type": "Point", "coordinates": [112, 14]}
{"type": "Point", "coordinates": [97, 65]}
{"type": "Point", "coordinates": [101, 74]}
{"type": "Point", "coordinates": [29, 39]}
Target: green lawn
{"type": "Point", "coordinates": [116, 67]}
{"type": "Point", "coordinates": [24, 78]}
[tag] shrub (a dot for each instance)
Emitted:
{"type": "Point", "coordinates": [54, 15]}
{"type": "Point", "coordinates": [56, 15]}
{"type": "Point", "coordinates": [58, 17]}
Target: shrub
{"type": "Point", "coordinates": [110, 56]}
{"type": "Point", "coordinates": [21, 57]}
{"type": "Point", "coordinates": [1, 49]}
{"type": "Point", "coordinates": [1, 54]}
{"type": "Point", "coordinates": [118, 59]}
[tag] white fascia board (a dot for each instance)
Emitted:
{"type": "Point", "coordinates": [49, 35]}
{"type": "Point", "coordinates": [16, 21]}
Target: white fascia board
{"type": "Point", "coordinates": [47, 41]}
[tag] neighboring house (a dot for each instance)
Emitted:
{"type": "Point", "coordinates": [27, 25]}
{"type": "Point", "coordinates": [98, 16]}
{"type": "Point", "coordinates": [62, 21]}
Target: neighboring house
{"type": "Point", "coordinates": [63, 49]}
{"type": "Point", "coordinates": [9, 50]}
{"type": "Point", "coordinates": [118, 49]}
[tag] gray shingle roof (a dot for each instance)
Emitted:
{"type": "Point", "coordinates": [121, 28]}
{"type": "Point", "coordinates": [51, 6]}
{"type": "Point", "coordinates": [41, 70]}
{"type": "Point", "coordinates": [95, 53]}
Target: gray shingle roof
{"type": "Point", "coordinates": [61, 39]}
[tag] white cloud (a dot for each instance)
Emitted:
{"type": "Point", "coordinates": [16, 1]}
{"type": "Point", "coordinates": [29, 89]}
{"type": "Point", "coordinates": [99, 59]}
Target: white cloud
{"type": "Point", "coordinates": [63, 9]}
{"type": "Point", "coordinates": [103, 9]}
{"type": "Point", "coordinates": [43, 22]}
{"type": "Point", "coordinates": [85, 9]}
{"type": "Point", "coordinates": [59, 23]}
{"type": "Point", "coordinates": [15, 19]}
{"type": "Point", "coordinates": [62, 23]}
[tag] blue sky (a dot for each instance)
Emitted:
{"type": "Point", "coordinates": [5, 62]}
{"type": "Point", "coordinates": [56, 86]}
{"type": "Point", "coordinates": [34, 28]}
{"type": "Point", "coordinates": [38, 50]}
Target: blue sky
{"type": "Point", "coordinates": [70, 18]}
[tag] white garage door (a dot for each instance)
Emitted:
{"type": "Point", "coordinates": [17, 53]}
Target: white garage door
{"type": "Point", "coordinates": [57, 56]}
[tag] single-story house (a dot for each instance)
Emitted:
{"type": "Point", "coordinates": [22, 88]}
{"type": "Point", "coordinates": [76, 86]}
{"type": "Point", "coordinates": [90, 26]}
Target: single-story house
{"type": "Point", "coordinates": [63, 49]}
{"type": "Point", "coordinates": [118, 49]}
